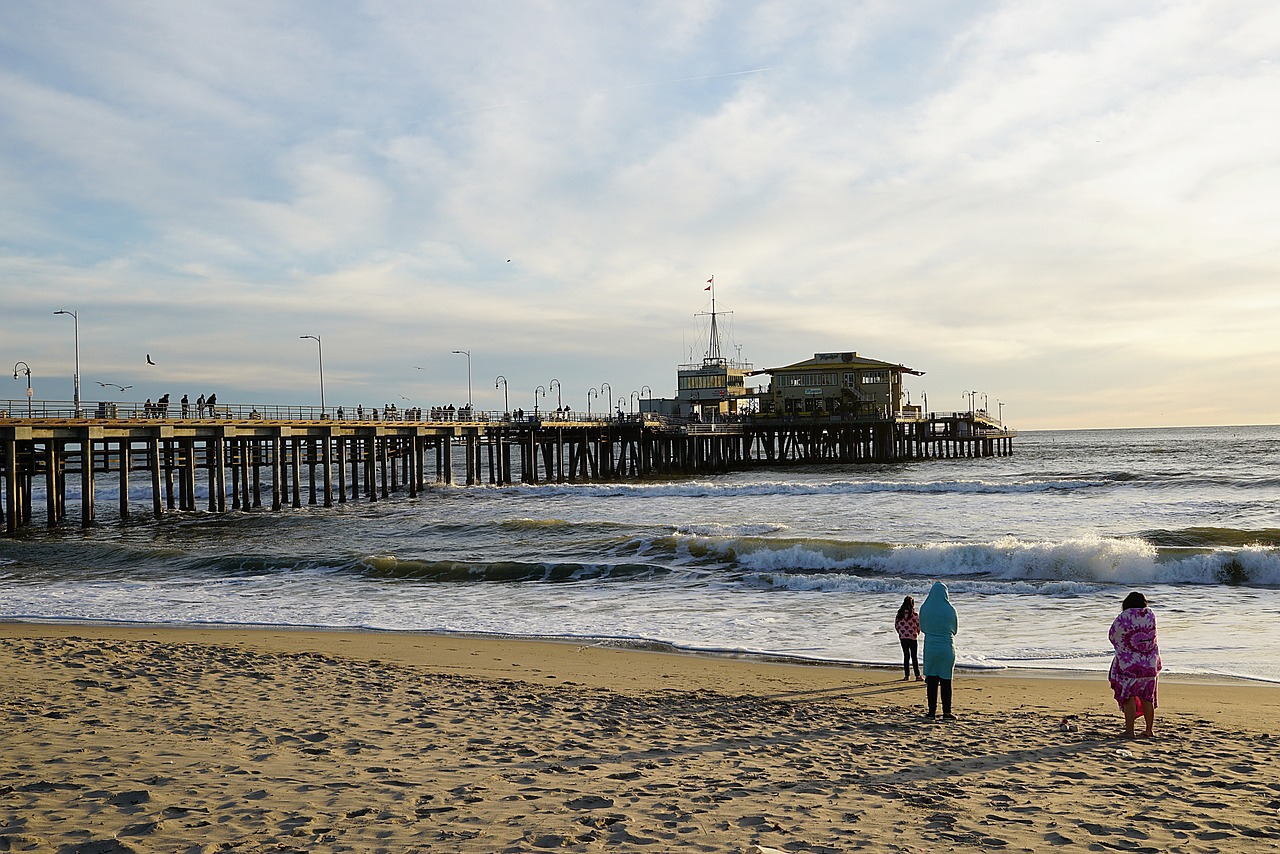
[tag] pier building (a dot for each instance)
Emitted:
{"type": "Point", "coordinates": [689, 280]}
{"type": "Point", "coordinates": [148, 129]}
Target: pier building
{"type": "Point", "coordinates": [843, 383]}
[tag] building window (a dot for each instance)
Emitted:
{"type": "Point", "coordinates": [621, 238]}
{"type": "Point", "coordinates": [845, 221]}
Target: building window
{"type": "Point", "coordinates": [797, 380]}
{"type": "Point", "coordinates": [874, 377]}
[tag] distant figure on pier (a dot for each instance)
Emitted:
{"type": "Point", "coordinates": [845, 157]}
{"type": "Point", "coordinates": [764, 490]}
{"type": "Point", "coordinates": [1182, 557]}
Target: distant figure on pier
{"type": "Point", "coordinates": [146, 409]}
{"type": "Point", "coordinates": [211, 401]}
{"type": "Point", "coordinates": [162, 406]}
{"type": "Point", "coordinates": [359, 411]}
{"type": "Point", "coordinates": [186, 406]}
{"type": "Point", "coordinates": [200, 406]}
{"type": "Point", "coordinates": [341, 414]}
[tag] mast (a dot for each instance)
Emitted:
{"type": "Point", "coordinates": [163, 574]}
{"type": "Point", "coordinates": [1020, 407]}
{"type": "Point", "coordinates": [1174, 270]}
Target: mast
{"type": "Point", "coordinates": [713, 356]}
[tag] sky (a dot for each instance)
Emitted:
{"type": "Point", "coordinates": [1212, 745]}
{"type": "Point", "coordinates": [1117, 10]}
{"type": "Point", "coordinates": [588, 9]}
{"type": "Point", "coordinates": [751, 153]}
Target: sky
{"type": "Point", "coordinates": [1071, 208]}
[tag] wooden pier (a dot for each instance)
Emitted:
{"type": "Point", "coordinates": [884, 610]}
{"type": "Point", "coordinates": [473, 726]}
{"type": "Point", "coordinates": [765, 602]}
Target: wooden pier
{"type": "Point", "coordinates": [237, 459]}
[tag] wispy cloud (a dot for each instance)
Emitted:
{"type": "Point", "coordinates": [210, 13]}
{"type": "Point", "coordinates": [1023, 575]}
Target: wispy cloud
{"type": "Point", "coordinates": [1069, 207]}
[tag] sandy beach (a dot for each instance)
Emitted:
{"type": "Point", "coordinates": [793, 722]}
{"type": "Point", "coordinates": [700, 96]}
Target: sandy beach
{"type": "Point", "coordinates": [193, 740]}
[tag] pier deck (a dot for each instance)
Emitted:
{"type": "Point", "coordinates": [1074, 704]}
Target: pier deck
{"type": "Point", "coordinates": [249, 458]}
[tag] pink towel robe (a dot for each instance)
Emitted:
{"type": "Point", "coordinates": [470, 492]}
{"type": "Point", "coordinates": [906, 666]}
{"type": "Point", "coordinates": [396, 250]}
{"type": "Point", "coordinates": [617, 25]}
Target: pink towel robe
{"type": "Point", "coordinates": [1137, 660]}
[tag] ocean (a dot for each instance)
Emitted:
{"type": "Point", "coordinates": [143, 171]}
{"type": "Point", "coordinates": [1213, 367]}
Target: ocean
{"type": "Point", "coordinates": [1038, 549]}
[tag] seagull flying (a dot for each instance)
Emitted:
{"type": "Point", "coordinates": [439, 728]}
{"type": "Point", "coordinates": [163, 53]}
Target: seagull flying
{"type": "Point", "coordinates": [149, 362]}
{"type": "Point", "coordinates": [114, 385]}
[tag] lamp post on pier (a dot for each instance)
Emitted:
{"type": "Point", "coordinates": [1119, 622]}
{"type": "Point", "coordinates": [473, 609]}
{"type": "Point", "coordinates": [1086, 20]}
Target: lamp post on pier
{"type": "Point", "coordinates": [590, 392]}
{"type": "Point", "coordinates": [537, 391]}
{"type": "Point", "coordinates": [971, 395]}
{"type": "Point", "coordinates": [75, 378]}
{"type": "Point", "coordinates": [635, 401]}
{"type": "Point", "coordinates": [466, 353]}
{"type": "Point", "coordinates": [320, 355]}
{"type": "Point", "coordinates": [1000, 403]}
{"type": "Point", "coordinates": [28, 372]}
{"type": "Point", "coordinates": [506, 407]}
{"type": "Point", "coordinates": [559, 400]}
{"type": "Point", "coordinates": [609, 411]}
{"type": "Point", "coordinates": [645, 388]}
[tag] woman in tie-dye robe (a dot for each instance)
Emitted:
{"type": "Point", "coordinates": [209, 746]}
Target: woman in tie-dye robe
{"type": "Point", "coordinates": [1137, 664]}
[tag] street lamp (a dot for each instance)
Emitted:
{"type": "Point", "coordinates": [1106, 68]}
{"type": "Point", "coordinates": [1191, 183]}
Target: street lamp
{"type": "Point", "coordinates": [559, 401]}
{"type": "Point", "coordinates": [466, 353]}
{"type": "Point", "coordinates": [645, 388]}
{"type": "Point", "coordinates": [985, 405]}
{"type": "Point", "coordinates": [506, 407]}
{"type": "Point", "coordinates": [15, 376]}
{"type": "Point", "coordinates": [604, 386]}
{"type": "Point", "coordinates": [971, 395]}
{"type": "Point", "coordinates": [590, 392]}
{"type": "Point", "coordinates": [320, 354]}
{"type": "Point", "coordinates": [75, 317]}
{"type": "Point", "coordinates": [635, 401]}
{"type": "Point", "coordinates": [1000, 403]}
{"type": "Point", "coordinates": [537, 391]}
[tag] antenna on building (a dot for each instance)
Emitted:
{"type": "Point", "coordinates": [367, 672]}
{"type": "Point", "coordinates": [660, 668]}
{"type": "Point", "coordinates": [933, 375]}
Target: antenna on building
{"type": "Point", "coordinates": [713, 356]}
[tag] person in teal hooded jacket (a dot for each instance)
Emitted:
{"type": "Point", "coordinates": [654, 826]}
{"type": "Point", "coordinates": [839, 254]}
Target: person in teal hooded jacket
{"type": "Point", "coordinates": [938, 623]}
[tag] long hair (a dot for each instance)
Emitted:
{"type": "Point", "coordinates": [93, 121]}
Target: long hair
{"type": "Point", "coordinates": [908, 605]}
{"type": "Point", "coordinates": [1133, 600]}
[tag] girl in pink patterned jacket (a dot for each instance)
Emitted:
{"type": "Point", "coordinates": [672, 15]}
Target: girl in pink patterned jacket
{"type": "Point", "coordinates": [1137, 663]}
{"type": "Point", "coordinates": [908, 625]}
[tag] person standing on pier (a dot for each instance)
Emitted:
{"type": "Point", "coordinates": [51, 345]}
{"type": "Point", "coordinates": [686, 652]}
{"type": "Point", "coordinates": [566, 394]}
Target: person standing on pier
{"type": "Point", "coordinates": [200, 406]}
{"type": "Point", "coordinates": [186, 406]}
{"type": "Point", "coordinates": [211, 401]}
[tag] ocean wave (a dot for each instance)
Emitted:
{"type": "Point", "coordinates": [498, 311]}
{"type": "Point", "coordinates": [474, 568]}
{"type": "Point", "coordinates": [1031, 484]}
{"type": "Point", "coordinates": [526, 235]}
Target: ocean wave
{"type": "Point", "coordinates": [716, 529]}
{"type": "Point", "coordinates": [1089, 561]}
{"type": "Point", "coordinates": [1213, 537]}
{"type": "Point", "coordinates": [391, 567]}
{"type": "Point", "coordinates": [704, 489]}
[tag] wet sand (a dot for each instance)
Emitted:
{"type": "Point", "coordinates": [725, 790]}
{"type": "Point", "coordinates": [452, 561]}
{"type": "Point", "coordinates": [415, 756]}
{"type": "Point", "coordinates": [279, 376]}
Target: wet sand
{"type": "Point", "coordinates": [192, 740]}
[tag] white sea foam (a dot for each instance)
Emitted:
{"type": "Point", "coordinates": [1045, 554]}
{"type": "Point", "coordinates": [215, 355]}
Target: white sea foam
{"type": "Point", "coordinates": [1091, 560]}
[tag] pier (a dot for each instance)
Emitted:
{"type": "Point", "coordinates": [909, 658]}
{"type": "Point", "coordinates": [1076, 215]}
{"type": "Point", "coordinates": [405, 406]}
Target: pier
{"type": "Point", "coordinates": [260, 458]}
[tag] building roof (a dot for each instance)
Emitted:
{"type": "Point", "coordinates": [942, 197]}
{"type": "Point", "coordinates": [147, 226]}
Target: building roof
{"type": "Point", "coordinates": [848, 359]}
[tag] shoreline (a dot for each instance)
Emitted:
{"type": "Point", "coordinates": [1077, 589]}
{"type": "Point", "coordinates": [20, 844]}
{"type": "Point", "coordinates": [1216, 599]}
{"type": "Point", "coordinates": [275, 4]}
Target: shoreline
{"type": "Point", "coordinates": [639, 646]}
{"type": "Point", "coordinates": [146, 738]}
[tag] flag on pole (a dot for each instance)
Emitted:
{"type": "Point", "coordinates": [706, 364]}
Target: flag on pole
{"type": "Point", "coordinates": [711, 281]}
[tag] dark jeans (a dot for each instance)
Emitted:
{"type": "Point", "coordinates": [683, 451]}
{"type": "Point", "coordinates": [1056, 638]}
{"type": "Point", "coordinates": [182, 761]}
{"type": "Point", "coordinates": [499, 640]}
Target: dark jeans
{"type": "Point", "coordinates": [910, 657]}
{"type": "Point", "coordinates": [931, 689]}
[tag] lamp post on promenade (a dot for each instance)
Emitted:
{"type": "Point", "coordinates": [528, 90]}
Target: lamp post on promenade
{"type": "Point", "coordinates": [28, 372]}
{"type": "Point", "coordinates": [590, 392]}
{"type": "Point", "coordinates": [537, 391]}
{"type": "Point", "coordinates": [320, 354]}
{"type": "Point", "coordinates": [506, 407]}
{"type": "Point", "coordinates": [971, 395]}
{"type": "Point", "coordinates": [75, 378]}
{"type": "Point", "coordinates": [645, 388]}
{"type": "Point", "coordinates": [555, 383]}
{"type": "Point", "coordinates": [635, 401]}
{"type": "Point", "coordinates": [466, 353]}
{"type": "Point", "coordinates": [609, 411]}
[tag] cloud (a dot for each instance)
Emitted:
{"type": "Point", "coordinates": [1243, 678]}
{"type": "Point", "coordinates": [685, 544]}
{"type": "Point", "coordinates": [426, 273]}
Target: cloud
{"type": "Point", "coordinates": [1072, 204]}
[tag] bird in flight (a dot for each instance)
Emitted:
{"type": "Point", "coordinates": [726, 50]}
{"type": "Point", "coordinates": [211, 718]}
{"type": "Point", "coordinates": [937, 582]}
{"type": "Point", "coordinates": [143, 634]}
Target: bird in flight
{"type": "Point", "coordinates": [114, 385]}
{"type": "Point", "coordinates": [149, 362]}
